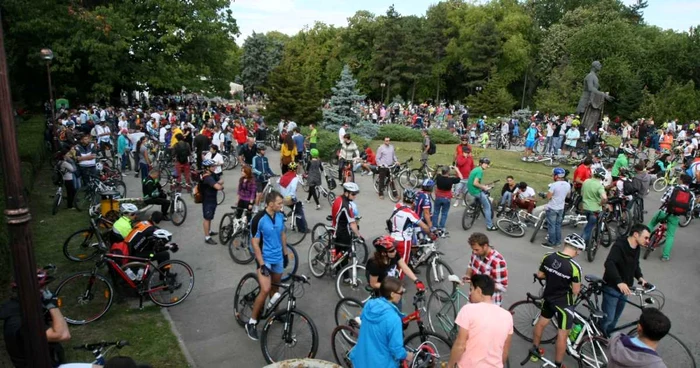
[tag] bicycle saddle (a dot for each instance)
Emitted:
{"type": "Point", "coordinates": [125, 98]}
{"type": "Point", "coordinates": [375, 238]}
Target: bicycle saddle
{"type": "Point", "coordinates": [593, 279]}
{"type": "Point", "coordinates": [329, 218]}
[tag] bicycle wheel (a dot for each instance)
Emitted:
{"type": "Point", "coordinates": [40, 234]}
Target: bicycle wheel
{"type": "Point", "coordinates": [469, 216]}
{"type": "Point", "coordinates": [361, 251]}
{"type": "Point", "coordinates": [342, 345]}
{"type": "Point", "coordinates": [351, 282]}
{"type": "Point", "coordinates": [442, 313]}
{"type": "Point", "coordinates": [685, 220]}
{"type": "Point", "coordinates": [441, 344]}
{"type": "Point", "coordinates": [319, 258]}
{"type": "Point", "coordinates": [226, 228]}
{"type": "Point", "coordinates": [288, 335]}
{"type": "Point", "coordinates": [593, 352]}
{"type": "Point", "coordinates": [81, 246]}
{"type": "Point", "coordinates": [672, 350]}
{"type": "Point", "coordinates": [293, 265]}
{"type": "Point", "coordinates": [605, 238]}
{"type": "Point", "coordinates": [407, 179]}
{"type": "Point", "coordinates": [320, 233]}
{"type": "Point", "coordinates": [438, 276]}
{"type": "Point", "coordinates": [82, 199]}
{"type": "Point", "coordinates": [537, 228]}
{"type": "Point", "coordinates": [347, 311]}
{"type": "Point", "coordinates": [171, 284]}
{"type": "Point", "coordinates": [178, 211]}
{"type": "Point", "coordinates": [526, 313]}
{"type": "Point", "coordinates": [660, 184]}
{"type": "Point", "coordinates": [57, 202]}
{"type": "Point", "coordinates": [220, 196]}
{"type": "Point", "coordinates": [655, 299]}
{"type": "Point", "coordinates": [118, 185]}
{"type": "Point", "coordinates": [294, 235]}
{"type": "Point", "coordinates": [510, 227]}
{"type": "Point", "coordinates": [84, 297]}
{"type": "Point", "coordinates": [393, 191]}
{"type": "Point", "coordinates": [244, 298]}
{"type": "Point", "coordinates": [331, 198]}
{"type": "Point", "coordinates": [239, 247]}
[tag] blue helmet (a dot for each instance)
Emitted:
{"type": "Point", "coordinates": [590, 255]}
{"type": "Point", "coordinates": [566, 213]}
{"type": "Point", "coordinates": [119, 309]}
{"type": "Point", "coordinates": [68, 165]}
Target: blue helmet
{"type": "Point", "coordinates": [559, 172]}
{"type": "Point", "coordinates": [428, 183]}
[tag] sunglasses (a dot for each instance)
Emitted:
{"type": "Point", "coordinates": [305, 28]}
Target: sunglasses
{"type": "Point", "coordinates": [400, 292]}
{"type": "Point", "coordinates": [391, 250]}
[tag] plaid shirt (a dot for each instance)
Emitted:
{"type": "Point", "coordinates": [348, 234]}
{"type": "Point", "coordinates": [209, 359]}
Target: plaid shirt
{"type": "Point", "coordinates": [669, 191]}
{"type": "Point", "coordinates": [495, 266]}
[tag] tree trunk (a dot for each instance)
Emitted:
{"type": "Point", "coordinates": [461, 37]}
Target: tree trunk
{"type": "Point", "coordinates": [413, 92]}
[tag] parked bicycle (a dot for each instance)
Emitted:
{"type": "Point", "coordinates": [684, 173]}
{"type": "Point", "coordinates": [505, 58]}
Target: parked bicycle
{"type": "Point", "coordinates": [83, 245]}
{"type": "Point", "coordinates": [178, 208]}
{"type": "Point", "coordinates": [100, 350]}
{"type": "Point", "coordinates": [89, 194]}
{"type": "Point", "coordinates": [426, 252]}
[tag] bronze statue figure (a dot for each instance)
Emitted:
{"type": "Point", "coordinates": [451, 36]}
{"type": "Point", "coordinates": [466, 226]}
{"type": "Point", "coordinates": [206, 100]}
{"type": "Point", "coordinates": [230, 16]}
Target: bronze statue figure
{"type": "Point", "coordinates": [590, 106]}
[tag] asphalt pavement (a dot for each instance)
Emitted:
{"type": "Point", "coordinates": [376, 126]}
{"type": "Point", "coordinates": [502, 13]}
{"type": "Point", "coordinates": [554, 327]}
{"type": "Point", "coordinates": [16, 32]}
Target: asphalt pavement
{"type": "Point", "coordinates": [206, 323]}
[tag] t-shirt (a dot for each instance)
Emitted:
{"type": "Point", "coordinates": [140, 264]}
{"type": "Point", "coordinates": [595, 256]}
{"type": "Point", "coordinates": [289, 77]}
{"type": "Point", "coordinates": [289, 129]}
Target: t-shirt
{"type": "Point", "coordinates": [269, 231]}
{"type": "Point", "coordinates": [217, 139]}
{"type": "Point", "coordinates": [422, 202]}
{"type": "Point", "coordinates": [559, 190]}
{"type": "Point", "coordinates": [582, 172]}
{"type": "Point", "coordinates": [531, 133]}
{"type": "Point", "coordinates": [208, 190]}
{"type": "Point", "coordinates": [392, 270]}
{"type": "Point", "coordinates": [218, 160]}
{"type": "Point", "coordinates": [592, 192]}
{"type": "Point", "coordinates": [528, 193]}
{"type": "Point", "coordinates": [621, 161]}
{"type": "Point", "coordinates": [314, 136]}
{"type": "Point", "coordinates": [443, 185]}
{"type": "Point", "coordinates": [489, 326]}
{"type": "Point", "coordinates": [560, 271]}
{"type": "Point", "coordinates": [478, 172]}
{"type": "Point", "coordinates": [402, 222]}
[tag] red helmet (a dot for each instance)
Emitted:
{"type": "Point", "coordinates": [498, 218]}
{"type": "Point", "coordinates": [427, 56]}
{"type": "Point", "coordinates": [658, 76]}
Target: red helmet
{"type": "Point", "coordinates": [383, 243]}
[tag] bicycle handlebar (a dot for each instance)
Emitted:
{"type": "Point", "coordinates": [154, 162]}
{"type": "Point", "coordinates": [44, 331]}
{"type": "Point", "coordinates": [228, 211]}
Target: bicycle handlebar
{"type": "Point", "coordinates": [537, 279]}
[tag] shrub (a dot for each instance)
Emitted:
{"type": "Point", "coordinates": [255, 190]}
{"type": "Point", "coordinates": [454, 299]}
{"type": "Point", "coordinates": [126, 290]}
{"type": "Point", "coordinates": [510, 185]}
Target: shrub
{"type": "Point", "coordinates": [365, 129]}
{"type": "Point", "coordinates": [328, 141]}
{"type": "Point", "coordinates": [442, 136]}
{"type": "Point", "coordinates": [402, 133]}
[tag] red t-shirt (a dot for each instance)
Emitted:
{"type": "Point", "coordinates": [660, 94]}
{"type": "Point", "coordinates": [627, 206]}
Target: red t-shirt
{"type": "Point", "coordinates": [583, 173]}
{"type": "Point", "coordinates": [459, 149]}
{"type": "Point", "coordinates": [465, 165]}
{"type": "Point", "coordinates": [371, 157]}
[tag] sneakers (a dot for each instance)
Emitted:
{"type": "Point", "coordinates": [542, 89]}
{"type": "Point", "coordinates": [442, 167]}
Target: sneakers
{"type": "Point", "coordinates": [251, 329]}
{"type": "Point", "coordinates": [535, 354]}
{"type": "Point", "coordinates": [665, 259]}
{"type": "Point", "coordinates": [211, 241]}
{"type": "Point", "coordinates": [318, 207]}
{"type": "Point", "coordinates": [212, 233]}
{"type": "Point", "coordinates": [549, 245]}
{"type": "Point", "coordinates": [381, 197]}
{"type": "Point", "coordinates": [492, 228]}
{"type": "Point", "coordinates": [456, 203]}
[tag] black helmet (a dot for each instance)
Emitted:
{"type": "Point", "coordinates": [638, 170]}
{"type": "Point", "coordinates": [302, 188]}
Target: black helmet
{"type": "Point", "coordinates": [484, 160]}
{"type": "Point", "coordinates": [600, 172]}
{"type": "Point", "coordinates": [261, 147]}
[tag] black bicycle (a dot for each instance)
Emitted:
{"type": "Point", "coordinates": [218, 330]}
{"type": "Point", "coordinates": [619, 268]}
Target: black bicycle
{"type": "Point", "coordinates": [472, 211]}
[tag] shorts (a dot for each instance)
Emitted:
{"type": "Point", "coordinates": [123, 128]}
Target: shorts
{"type": "Point", "coordinates": [260, 186]}
{"type": "Point", "coordinates": [529, 143]}
{"type": "Point", "coordinates": [274, 267]}
{"type": "Point", "coordinates": [208, 210]}
{"type": "Point", "coordinates": [565, 318]}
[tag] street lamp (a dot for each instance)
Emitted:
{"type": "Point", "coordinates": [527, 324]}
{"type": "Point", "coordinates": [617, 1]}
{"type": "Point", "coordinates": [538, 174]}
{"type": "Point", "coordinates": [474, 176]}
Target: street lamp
{"type": "Point", "coordinates": [479, 88]}
{"type": "Point", "coordinates": [383, 85]}
{"type": "Point", "coordinates": [47, 55]}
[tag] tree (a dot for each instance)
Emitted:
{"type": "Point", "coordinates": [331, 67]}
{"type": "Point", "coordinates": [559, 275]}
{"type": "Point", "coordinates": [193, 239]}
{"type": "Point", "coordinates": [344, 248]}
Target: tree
{"type": "Point", "coordinates": [631, 97]}
{"type": "Point", "coordinates": [387, 48]}
{"type": "Point", "coordinates": [344, 102]}
{"type": "Point", "coordinates": [493, 100]}
{"type": "Point", "coordinates": [261, 54]}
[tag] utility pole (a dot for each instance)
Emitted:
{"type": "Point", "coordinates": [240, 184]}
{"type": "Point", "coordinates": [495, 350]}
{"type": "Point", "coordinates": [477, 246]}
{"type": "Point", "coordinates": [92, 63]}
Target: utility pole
{"type": "Point", "coordinates": [17, 217]}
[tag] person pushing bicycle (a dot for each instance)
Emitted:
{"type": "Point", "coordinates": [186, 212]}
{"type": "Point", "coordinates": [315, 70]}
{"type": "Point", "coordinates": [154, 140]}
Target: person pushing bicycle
{"type": "Point", "coordinates": [677, 201]}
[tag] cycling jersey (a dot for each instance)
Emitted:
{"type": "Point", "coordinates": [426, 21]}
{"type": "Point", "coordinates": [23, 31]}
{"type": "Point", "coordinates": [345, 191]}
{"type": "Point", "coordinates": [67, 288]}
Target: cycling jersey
{"type": "Point", "coordinates": [269, 231]}
{"type": "Point", "coordinates": [402, 223]}
{"type": "Point", "coordinates": [422, 202]}
{"type": "Point", "coordinates": [139, 236]}
{"type": "Point", "coordinates": [343, 216]}
{"type": "Point", "coordinates": [560, 271]}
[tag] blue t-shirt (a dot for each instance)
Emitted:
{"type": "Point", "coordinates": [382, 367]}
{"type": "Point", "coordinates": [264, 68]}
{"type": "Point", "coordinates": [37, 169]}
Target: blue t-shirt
{"type": "Point", "coordinates": [531, 133]}
{"type": "Point", "coordinates": [270, 234]}
{"type": "Point", "coordinates": [299, 142]}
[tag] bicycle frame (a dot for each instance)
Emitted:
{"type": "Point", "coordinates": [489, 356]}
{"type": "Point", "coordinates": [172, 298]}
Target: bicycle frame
{"type": "Point", "coordinates": [109, 258]}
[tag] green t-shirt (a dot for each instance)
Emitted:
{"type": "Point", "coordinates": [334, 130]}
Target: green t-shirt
{"type": "Point", "coordinates": [312, 138]}
{"type": "Point", "coordinates": [592, 192]}
{"type": "Point", "coordinates": [478, 172]}
{"type": "Point", "coordinates": [621, 161]}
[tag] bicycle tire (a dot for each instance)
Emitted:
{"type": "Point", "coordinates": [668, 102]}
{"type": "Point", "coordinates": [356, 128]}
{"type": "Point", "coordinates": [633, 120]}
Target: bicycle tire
{"type": "Point", "coordinates": [407, 180]}
{"type": "Point", "coordinates": [597, 357]}
{"type": "Point", "coordinates": [392, 191]}
{"type": "Point", "coordinates": [56, 204]}
{"type": "Point", "coordinates": [538, 226]}
{"type": "Point", "coordinates": [442, 312]}
{"type": "Point", "coordinates": [226, 228]}
{"type": "Point", "coordinates": [375, 180]}
{"type": "Point", "coordinates": [178, 211]}
{"type": "Point", "coordinates": [672, 350]}
{"type": "Point", "coordinates": [510, 228]}
{"type": "Point", "coordinates": [82, 199]}
{"type": "Point", "coordinates": [605, 237]}
{"type": "Point", "coordinates": [647, 250]}
{"type": "Point", "coordinates": [342, 346]}
{"type": "Point", "coordinates": [347, 311]}
{"type": "Point", "coordinates": [686, 219]}
{"type": "Point", "coordinates": [469, 216]}
{"type": "Point", "coordinates": [220, 197]}
{"type": "Point", "coordinates": [319, 258]}
{"type": "Point", "coordinates": [356, 287]}
{"type": "Point", "coordinates": [162, 280]}
{"type": "Point", "coordinates": [527, 313]}
{"type": "Point", "coordinates": [293, 265]}
{"type": "Point", "coordinates": [442, 345]}
{"type": "Point", "coordinates": [331, 198]}
{"type": "Point", "coordinates": [86, 248]}
{"type": "Point", "coordinates": [655, 299]}
{"type": "Point", "coordinates": [118, 185]}
{"type": "Point", "coordinates": [439, 279]}
{"type": "Point", "coordinates": [74, 305]}
{"type": "Point", "coordinates": [239, 247]}
{"type": "Point", "coordinates": [289, 318]}
{"type": "Point", "coordinates": [294, 236]}
{"type": "Point", "coordinates": [361, 251]}
{"type": "Point", "coordinates": [661, 186]}
{"type": "Point", "coordinates": [592, 244]}
{"type": "Point", "coordinates": [244, 299]}
{"type": "Point", "coordinates": [320, 233]}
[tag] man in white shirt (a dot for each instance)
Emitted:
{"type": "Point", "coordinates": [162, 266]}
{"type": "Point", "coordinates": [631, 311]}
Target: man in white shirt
{"type": "Point", "coordinates": [291, 126]}
{"type": "Point", "coordinates": [550, 133]}
{"type": "Point", "coordinates": [524, 197]}
{"type": "Point", "coordinates": [103, 135]}
{"type": "Point", "coordinates": [215, 156]}
{"type": "Point", "coordinates": [218, 138]}
{"type": "Point", "coordinates": [123, 123]}
{"type": "Point", "coordinates": [341, 133]}
{"type": "Point", "coordinates": [161, 134]}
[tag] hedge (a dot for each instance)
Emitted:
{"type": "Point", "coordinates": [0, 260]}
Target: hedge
{"type": "Point", "coordinates": [402, 133]}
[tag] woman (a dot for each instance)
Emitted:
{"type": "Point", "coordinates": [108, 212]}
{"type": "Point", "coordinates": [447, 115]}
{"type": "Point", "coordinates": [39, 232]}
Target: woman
{"type": "Point", "coordinates": [386, 262]}
{"type": "Point", "coordinates": [67, 168]}
{"type": "Point", "coordinates": [218, 159]}
{"type": "Point", "coordinates": [380, 343]}
{"type": "Point", "coordinates": [443, 196]}
{"type": "Point", "coordinates": [143, 159]}
{"type": "Point", "coordinates": [123, 146]}
{"type": "Point", "coordinates": [246, 191]}
{"type": "Point", "coordinates": [314, 177]}
{"type": "Point", "coordinates": [287, 153]}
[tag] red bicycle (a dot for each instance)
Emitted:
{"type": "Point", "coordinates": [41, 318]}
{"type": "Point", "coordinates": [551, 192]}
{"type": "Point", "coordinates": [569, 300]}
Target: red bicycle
{"type": "Point", "coordinates": [657, 238]}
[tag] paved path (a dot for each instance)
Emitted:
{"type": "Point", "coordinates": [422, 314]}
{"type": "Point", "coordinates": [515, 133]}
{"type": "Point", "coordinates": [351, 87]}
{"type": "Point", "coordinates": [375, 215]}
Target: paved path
{"type": "Point", "coordinates": [209, 330]}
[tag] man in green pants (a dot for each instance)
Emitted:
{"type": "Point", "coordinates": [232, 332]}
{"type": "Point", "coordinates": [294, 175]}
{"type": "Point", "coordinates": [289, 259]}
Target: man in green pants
{"type": "Point", "coordinates": [677, 201]}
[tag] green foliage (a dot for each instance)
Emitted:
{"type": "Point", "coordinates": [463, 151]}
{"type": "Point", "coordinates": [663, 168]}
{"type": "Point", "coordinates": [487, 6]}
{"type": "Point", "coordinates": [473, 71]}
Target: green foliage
{"type": "Point", "coordinates": [344, 102]}
{"type": "Point", "coordinates": [261, 54]}
{"type": "Point", "coordinates": [673, 101]}
{"type": "Point", "coordinates": [402, 133]}
{"type": "Point", "coordinates": [365, 129]}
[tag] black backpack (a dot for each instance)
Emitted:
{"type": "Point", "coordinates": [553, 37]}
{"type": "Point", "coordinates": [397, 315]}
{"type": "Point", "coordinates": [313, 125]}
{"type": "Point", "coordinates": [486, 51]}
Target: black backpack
{"type": "Point", "coordinates": [432, 148]}
{"type": "Point", "coordinates": [628, 187]}
{"type": "Point", "coordinates": [181, 152]}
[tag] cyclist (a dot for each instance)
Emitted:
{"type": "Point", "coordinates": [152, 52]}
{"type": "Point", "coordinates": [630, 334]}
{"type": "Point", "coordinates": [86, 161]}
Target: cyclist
{"type": "Point", "coordinates": [153, 193]}
{"type": "Point", "coordinates": [423, 205]}
{"type": "Point", "coordinates": [478, 190]}
{"type": "Point", "coordinates": [288, 189]}
{"type": "Point", "coordinates": [314, 176]}
{"type": "Point", "coordinates": [380, 344]}
{"type": "Point", "coordinates": [386, 157]}
{"type": "Point", "coordinates": [555, 208]}
{"type": "Point", "coordinates": [262, 172]}
{"type": "Point", "coordinates": [677, 201]}
{"type": "Point", "coordinates": [209, 187]}
{"type": "Point", "coordinates": [270, 248]}
{"type": "Point", "coordinates": [343, 218]}
{"type": "Point", "coordinates": [141, 239]}
{"type": "Point", "coordinates": [122, 227]}
{"type": "Point", "coordinates": [401, 223]}
{"type": "Point", "coordinates": [487, 261]}
{"type": "Point", "coordinates": [622, 161]}
{"type": "Point", "coordinates": [524, 197]}
{"type": "Point", "coordinates": [582, 173]}
{"type": "Point", "coordinates": [640, 351]}
{"type": "Point", "coordinates": [593, 197]}
{"type": "Point", "coordinates": [563, 283]}
{"type": "Point", "coordinates": [386, 262]}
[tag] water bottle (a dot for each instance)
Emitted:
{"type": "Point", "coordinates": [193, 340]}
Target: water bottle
{"type": "Point", "coordinates": [130, 273]}
{"type": "Point", "coordinates": [333, 254]}
{"type": "Point", "coordinates": [273, 300]}
{"type": "Point", "coordinates": [575, 331]}
{"type": "Point", "coordinates": [139, 275]}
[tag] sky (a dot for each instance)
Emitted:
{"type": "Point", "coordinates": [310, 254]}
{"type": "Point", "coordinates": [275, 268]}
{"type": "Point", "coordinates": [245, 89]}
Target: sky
{"type": "Point", "coordinates": [290, 16]}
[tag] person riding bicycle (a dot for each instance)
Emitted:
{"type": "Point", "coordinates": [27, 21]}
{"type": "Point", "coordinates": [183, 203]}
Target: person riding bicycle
{"type": "Point", "coordinates": [380, 343]}
{"type": "Point", "coordinates": [401, 223]}
{"type": "Point", "coordinates": [262, 171]}
{"type": "Point", "coordinates": [622, 161]}
{"type": "Point", "coordinates": [271, 255]}
{"type": "Point", "coordinates": [122, 227]}
{"type": "Point", "coordinates": [153, 193]}
{"type": "Point", "coordinates": [423, 205]}
{"type": "Point", "coordinates": [343, 218]}
{"type": "Point", "coordinates": [593, 197]}
{"type": "Point", "coordinates": [563, 283]}
{"type": "Point", "coordinates": [677, 201]}
{"type": "Point", "coordinates": [478, 190]}
{"type": "Point", "coordinates": [288, 189]}
{"type": "Point", "coordinates": [640, 351]}
{"type": "Point", "coordinates": [386, 262]}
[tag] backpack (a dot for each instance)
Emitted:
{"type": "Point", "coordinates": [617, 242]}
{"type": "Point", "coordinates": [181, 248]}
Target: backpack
{"type": "Point", "coordinates": [679, 202]}
{"type": "Point", "coordinates": [690, 171]}
{"type": "Point", "coordinates": [181, 152]}
{"type": "Point", "coordinates": [197, 193]}
{"type": "Point", "coordinates": [120, 248]}
{"type": "Point", "coordinates": [432, 148]}
{"type": "Point", "coordinates": [628, 188]}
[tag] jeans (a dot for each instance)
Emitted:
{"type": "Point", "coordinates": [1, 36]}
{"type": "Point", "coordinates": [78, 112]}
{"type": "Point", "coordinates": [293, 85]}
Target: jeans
{"type": "Point", "coordinates": [461, 188]}
{"type": "Point", "coordinates": [125, 160]}
{"type": "Point", "coordinates": [613, 305]}
{"type": "Point", "coordinates": [554, 220]}
{"type": "Point", "coordinates": [547, 144]}
{"type": "Point", "coordinates": [144, 170]}
{"type": "Point", "coordinates": [442, 207]}
{"type": "Point", "coordinates": [486, 205]}
{"type": "Point", "coordinates": [506, 200]}
{"type": "Point", "coordinates": [592, 219]}
{"type": "Point", "coordinates": [556, 145]}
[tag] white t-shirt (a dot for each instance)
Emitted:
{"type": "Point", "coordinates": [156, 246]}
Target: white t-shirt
{"type": "Point", "coordinates": [218, 159]}
{"type": "Point", "coordinates": [504, 128]}
{"type": "Point", "coordinates": [626, 131]}
{"type": "Point", "coordinates": [161, 137]}
{"type": "Point", "coordinates": [218, 139]}
{"type": "Point", "coordinates": [341, 134]}
{"type": "Point", "coordinates": [99, 129]}
{"type": "Point", "coordinates": [156, 116]}
{"type": "Point", "coordinates": [528, 193]}
{"type": "Point", "coordinates": [123, 124]}
{"type": "Point", "coordinates": [559, 189]}
{"type": "Point", "coordinates": [550, 130]}
{"type": "Point", "coordinates": [290, 126]}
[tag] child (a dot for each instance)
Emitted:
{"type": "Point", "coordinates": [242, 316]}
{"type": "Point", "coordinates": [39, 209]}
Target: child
{"type": "Point", "coordinates": [314, 177]}
{"type": "Point", "coordinates": [484, 140]}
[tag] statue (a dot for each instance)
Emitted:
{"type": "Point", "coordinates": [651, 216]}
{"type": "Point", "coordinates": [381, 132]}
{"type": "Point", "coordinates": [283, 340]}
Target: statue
{"type": "Point", "coordinates": [590, 106]}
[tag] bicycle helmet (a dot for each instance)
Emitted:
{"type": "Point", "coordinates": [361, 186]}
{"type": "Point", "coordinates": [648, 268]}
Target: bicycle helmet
{"type": "Point", "coordinates": [314, 152]}
{"type": "Point", "coordinates": [42, 278]}
{"type": "Point", "coordinates": [163, 234]}
{"type": "Point", "coordinates": [383, 243]}
{"type": "Point", "coordinates": [261, 147]}
{"type": "Point", "coordinates": [409, 195]}
{"type": "Point", "coordinates": [464, 138]}
{"type": "Point", "coordinates": [351, 187]}
{"type": "Point", "coordinates": [600, 172]}
{"type": "Point", "coordinates": [128, 208]}
{"type": "Point", "coordinates": [628, 150]}
{"type": "Point", "coordinates": [576, 241]}
{"type": "Point", "coordinates": [428, 183]}
{"type": "Point", "coordinates": [484, 160]}
{"type": "Point", "coordinates": [558, 172]}
{"type": "Point", "coordinates": [292, 166]}
{"type": "Point", "coordinates": [207, 163]}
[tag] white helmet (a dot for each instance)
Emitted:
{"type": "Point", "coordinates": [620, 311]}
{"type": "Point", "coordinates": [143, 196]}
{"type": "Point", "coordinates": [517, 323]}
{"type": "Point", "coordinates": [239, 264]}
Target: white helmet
{"type": "Point", "coordinates": [128, 208]}
{"type": "Point", "coordinates": [163, 234]}
{"type": "Point", "coordinates": [576, 241]}
{"type": "Point", "coordinates": [351, 187]}
{"type": "Point", "coordinates": [629, 150]}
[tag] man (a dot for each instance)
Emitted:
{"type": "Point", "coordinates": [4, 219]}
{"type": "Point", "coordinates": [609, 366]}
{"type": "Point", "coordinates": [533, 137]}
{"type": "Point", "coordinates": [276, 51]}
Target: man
{"type": "Point", "coordinates": [572, 137]}
{"type": "Point", "coordinates": [593, 197]}
{"type": "Point", "coordinates": [270, 248]}
{"type": "Point", "coordinates": [247, 151]}
{"type": "Point", "coordinates": [582, 173]}
{"type": "Point", "coordinates": [140, 239]}
{"type": "Point", "coordinates": [524, 197]}
{"type": "Point", "coordinates": [465, 165]}
{"type": "Point", "coordinates": [548, 137]}
{"type": "Point", "coordinates": [343, 217]}
{"type": "Point", "coordinates": [485, 260]}
{"type": "Point", "coordinates": [461, 148]}
{"type": "Point", "coordinates": [640, 351]}
{"type": "Point", "coordinates": [201, 145]}
{"type": "Point", "coordinates": [153, 193]}
{"type": "Point", "coordinates": [348, 151]}
{"type": "Point", "coordinates": [477, 189]}
{"type": "Point", "coordinates": [262, 172]}
{"type": "Point", "coordinates": [86, 154]}
{"type": "Point", "coordinates": [402, 222]}
{"type": "Point", "coordinates": [299, 143]}
{"type": "Point", "coordinates": [676, 202]}
{"type": "Point", "coordinates": [642, 130]}
{"type": "Point", "coordinates": [182, 153]}
{"type": "Point", "coordinates": [104, 137]}
{"type": "Point", "coordinates": [622, 161]}
{"type": "Point", "coordinates": [217, 138]}
{"type": "Point", "coordinates": [240, 135]}
{"type": "Point", "coordinates": [505, 132]}
{"type": "Point", "coordinates": [555, 208]}
{"type": "Point", "coordinates": [423, 204]}
{"type": "Point", "coordinates": [209, 186]}
{"type": "Point", "coordinates": [563, 283]}
{"type": "Point", "coordinates": [425, 146]}
{"type": "Point", "coordinates": [485, 329]}
{"type": "Point", "coordinates": [621, 268]}
{"type": "Point", "coordinates": [218, 159]}
{"type": "Point", "coordinates": [122, 227]}
{"type": "Point", "coordinates": [530, 138]}
{"type": "Point", "coordinates": [556, 138]}
{"type": "Point", "coordinates": [386, 157]}
{"type": "Point", "coordinates": [313, 136]}
{"type": "Point", "coordinates": [342, 132]}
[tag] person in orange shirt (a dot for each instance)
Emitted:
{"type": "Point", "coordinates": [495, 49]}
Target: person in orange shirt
{"type": "Point", "coordinates": [370, 160]}
{"type": "Point", "coordinates": [240, 134]}
{"type": "Point", "coordinates": [582, 173]}
{"type": "Point", "coordinates": [667, 141]}
{"type": "Point", "coordinates": [463, 145]}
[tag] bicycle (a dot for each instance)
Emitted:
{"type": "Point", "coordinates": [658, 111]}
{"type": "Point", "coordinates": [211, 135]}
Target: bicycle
{"type": "Point", "coordinates": [83, 245]}
{"type": "Point", "coordinates": [472, 211]}
{"type": "Point", "coordinates": [351, 276]}
{"type": "Point", "coordinates": [324, 259]}
{"type": "Point", "coordinates": [406, 178]}
{"type": "Point", "coordinates": [389, 183]}
{"type": "Point", "coordinates": [669, 178]}
{"type": "Point", "coordinates": [443, 308]}
{"type": "Point", "coordinates": [99, 350]}
{"type": "Point", "coordinates": [246, 293]}
{"type": "Point", "coordinates": [657, 238]}
{"type": "Point", "coordinates": [514, 222]}
{"type": "Point", "coordinates": [694, 212]}
{"type": "Point", "coordinates": [89, 194]}
{"type": "Point", "coordinates": [294, 235]}
{"type": "Point", "coordinates": [82, 304]}
{"type": "Point", "coordinates": [178, 207]}
{"type": "Point", "coordinates": [425, 252]}
{"type": "Point", "coordinates": [58, 198]}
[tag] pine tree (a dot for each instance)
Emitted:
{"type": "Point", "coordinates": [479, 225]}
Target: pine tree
{"type": "Point", "coordinates": [343, 105]}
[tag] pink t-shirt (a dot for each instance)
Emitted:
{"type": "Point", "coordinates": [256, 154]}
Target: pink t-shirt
{"type": "Point", "coordinates": [488, 325]}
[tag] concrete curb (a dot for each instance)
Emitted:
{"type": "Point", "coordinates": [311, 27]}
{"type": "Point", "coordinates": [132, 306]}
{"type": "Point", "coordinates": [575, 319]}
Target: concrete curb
{"type": "Point", "coordinates": [188, 356]}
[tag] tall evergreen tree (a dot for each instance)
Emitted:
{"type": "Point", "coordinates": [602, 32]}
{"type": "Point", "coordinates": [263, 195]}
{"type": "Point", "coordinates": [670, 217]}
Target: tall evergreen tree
{"type": "Point", "coordinates": [261, 54]}
{"type": "Point", "coordinates": [343, 105]}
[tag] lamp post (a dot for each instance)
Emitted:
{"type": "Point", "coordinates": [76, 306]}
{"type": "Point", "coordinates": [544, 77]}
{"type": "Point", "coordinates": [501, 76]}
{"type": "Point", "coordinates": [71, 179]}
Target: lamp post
{"type": "Point", "coordinates": [479, 89]}
{"type": "Point", "coordinates": [383, 85]}
{"type": "Point", "coordinates": [47, 55]}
